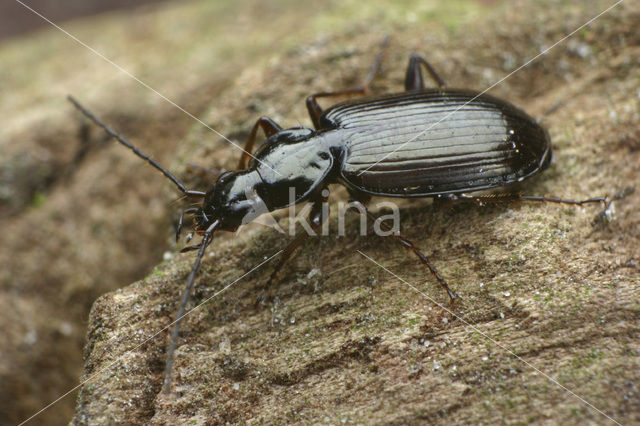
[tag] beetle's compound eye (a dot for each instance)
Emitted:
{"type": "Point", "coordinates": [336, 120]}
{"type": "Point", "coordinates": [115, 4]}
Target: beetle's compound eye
{"type": "Point", "coordinates": [232, 200]}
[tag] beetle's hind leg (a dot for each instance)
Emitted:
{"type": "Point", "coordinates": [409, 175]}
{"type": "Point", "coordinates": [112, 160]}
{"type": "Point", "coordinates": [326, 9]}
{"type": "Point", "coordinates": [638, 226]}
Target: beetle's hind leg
{"type": "Point", "coordinates": [508, 197]}
{"type": "Point", "coordinates": [414, 80]}
{"type": "Point", "coordinates": [410, 246]}
{"type": "Point", "coordinates": [312, 104]}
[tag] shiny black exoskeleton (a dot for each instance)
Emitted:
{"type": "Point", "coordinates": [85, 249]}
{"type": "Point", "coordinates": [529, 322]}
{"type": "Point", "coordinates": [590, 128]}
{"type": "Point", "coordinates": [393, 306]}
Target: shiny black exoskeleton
{"type": "Point", "coordinates": [420, 143]}
{"type": "Point", "coordinates": [401, 145]}
{"type": "Point", "coordinates": [293, 158]}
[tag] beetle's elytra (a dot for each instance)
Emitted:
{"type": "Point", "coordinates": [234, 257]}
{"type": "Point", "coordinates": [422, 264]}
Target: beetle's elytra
{"type": "Point", "coordinates": [488, 143]}
{"type": "Point", "coordinates": [419, 143]}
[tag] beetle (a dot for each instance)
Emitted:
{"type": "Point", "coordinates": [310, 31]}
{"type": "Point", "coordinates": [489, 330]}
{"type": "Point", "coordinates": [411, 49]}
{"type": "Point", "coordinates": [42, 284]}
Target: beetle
{"type": "Point", "coordinates": [424, 142]}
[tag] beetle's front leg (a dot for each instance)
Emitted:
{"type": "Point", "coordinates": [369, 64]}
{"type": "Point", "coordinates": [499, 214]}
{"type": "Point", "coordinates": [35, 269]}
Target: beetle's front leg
{"type": "Point", "coordinates": [269, 127]}
{"type": "Point", "coordinates": [316, 219]}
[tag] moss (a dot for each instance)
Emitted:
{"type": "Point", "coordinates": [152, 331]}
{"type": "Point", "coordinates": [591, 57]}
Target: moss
{"type": "Point", "coordinates": [38, 200]}
{"type": "Point", "coordinates": [159, 272]}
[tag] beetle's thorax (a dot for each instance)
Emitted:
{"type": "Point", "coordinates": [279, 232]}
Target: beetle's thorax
{"type": "Point", "coordinates": [294, 168]}
{"type": "Point", "coordinates": [290, 167]}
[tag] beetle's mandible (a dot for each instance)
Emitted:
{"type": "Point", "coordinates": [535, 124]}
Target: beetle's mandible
{"type": "Point", "coordinates": [437, 142]}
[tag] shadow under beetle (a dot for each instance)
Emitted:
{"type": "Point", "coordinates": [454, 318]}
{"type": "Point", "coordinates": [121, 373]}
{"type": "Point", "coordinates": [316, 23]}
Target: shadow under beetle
{"type": "Point", "coordinates": [423, 142]}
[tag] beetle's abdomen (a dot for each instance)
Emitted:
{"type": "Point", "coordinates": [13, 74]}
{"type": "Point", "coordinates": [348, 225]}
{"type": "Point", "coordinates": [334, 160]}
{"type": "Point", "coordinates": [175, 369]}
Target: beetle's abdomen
{"type": "Point", "coordinates": [426, 143]}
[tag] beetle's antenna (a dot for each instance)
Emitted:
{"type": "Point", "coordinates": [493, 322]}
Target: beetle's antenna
{"type": "Point", "coordinates": [206, 240]}
{"type": "Point", "coordinates": [135, 150]}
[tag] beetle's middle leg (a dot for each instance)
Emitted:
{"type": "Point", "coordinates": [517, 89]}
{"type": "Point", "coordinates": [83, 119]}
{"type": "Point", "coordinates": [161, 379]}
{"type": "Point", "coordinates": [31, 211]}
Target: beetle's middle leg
{"type": "Point", "coordinates": [410, 246]}
{"type": "Point", "coordinates": [316, 219]}
{"type": "Point", "coordinates": [312, 104]}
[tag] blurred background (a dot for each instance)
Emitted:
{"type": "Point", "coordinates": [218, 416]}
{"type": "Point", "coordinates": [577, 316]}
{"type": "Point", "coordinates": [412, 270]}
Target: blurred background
{"type": "Point", "coordinates": [16, 20]}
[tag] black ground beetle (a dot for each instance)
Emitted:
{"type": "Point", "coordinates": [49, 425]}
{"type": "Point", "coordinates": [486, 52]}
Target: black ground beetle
{"type": "Point", "coordinates": [422, 142]}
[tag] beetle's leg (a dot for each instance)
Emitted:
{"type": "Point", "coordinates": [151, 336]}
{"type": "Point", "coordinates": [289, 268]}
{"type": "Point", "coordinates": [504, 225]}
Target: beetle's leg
{"type": "Point", "coordinates": [414, 80]}
{"type": "Point", "coordinates": [561, 200]}
{"type": "Point", "coordinates": [316, 219]}
{"type": "Point", "coordinates": [269, 127]}
{"type": "Point", "coordinates": [410, 246]}
{"type": "Point", "coordinates": [312, 104]}
{"type": "Point", "coordinates": [507, 197]}
{"type": "Point", "coordinates": [190, 210]}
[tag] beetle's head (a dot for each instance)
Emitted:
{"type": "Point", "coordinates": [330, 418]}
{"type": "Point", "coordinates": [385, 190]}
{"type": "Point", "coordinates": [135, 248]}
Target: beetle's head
{"type": "Point", "coordinates": [232, 202]}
